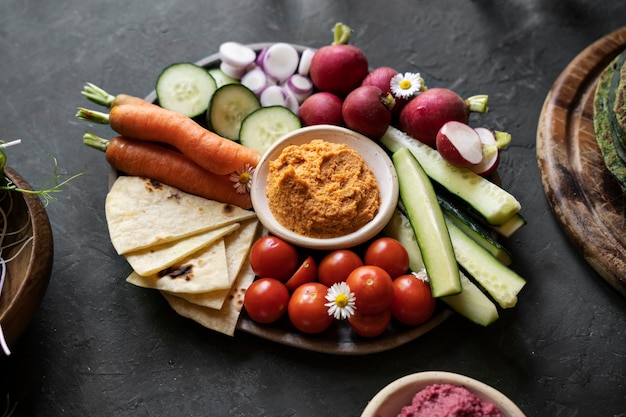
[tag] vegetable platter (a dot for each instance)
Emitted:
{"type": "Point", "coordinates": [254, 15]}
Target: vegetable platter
{"type": "Point", "coordinates": [586, 200]}
{"type": "Point", "coordinates": [340, 338]}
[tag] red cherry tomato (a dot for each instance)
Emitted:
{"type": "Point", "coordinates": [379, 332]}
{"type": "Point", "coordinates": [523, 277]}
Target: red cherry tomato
{"type": "Point", "coordinates": [307, 272]}
{"type": "Point", "coordinates": [272, 257]}
{"type": "Point", "coordinates": [306, 309]}
{"type": "Point", "coordinates": [369, 325]}
{"type": "Point", "coordinates": [389, 254]}
{"type": "Point", "coordinates": [266, 300]}
{"type": "Point", "coordinates": [413, 302]}
{"type": "Point", "coordinates": [372, 287]}
{"type": "Point", "coordinates": [337, 265]}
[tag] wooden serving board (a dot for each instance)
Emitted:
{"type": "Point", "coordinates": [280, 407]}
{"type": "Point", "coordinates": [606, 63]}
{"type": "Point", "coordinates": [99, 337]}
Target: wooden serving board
{"type": "Point", "coordinates": [585, 198]}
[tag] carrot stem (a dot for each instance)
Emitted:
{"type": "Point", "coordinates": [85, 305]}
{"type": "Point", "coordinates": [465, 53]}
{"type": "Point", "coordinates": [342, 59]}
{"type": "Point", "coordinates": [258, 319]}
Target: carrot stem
{"type": "Point", "coordinates": [93, 116]}
{"type": "Point", "coordinates": [96, 94]}
{"type": "Point", "coordinates": [95, 142]}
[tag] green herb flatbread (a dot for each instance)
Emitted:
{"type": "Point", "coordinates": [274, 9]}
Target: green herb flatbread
{"type": "Point", "coordinates": [142, 213]}
{"type": "Point", "coordinates": [603, 126]}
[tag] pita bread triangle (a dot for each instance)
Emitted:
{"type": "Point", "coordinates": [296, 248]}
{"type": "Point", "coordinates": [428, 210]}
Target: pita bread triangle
{"type": "Point", "coordinates": [238, 246]}
{"type": "Point", "coordinates": [223, 320]}
{"type": "Point", "coordinates": [204, 271]}
{"type": "Point", "coordinates": [151, 260]}
{"type": "Point", "coordinates": [142, 213]}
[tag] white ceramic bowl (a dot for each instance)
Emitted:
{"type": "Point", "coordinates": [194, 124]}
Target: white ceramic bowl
{"type": "Point", "coordinates": [372, 154]}
{"type": "Point", "coordinates": [390, 400]}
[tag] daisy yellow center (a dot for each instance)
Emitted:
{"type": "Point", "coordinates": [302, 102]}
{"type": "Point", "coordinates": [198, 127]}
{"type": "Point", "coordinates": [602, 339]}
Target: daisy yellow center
{"type": "Point", "coordinates": [244, 177]}
{"type": "Point", "coordinates": [405, 84]}
{"type": "Point", "coordinates": [341, 300]}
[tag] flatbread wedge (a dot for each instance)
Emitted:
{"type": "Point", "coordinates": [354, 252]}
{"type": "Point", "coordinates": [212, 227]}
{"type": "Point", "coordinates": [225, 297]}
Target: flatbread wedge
{"type": "Point", "coordinates": [204, 271]}
{"type": "Point", "coordinates": [223, 320]}
{"type": "Point", "coordinates": [238, 246]}
{"type": "Point", "coordinates": [142, 213]}
{"type": "Point", "coordinates": [151, 260]}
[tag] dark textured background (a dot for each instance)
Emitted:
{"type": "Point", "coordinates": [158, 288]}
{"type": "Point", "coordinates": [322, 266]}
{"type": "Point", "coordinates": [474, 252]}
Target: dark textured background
{"type": "Point", "coordinates": [101, 347]}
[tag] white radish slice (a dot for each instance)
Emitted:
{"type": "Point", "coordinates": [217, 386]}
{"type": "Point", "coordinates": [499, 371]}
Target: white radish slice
{"type": "Point", "coordinates": [491, 153]}
{"type": "Point", "coordinates": [305, 62]}
{"type": "Point", "coordinates": [260, 57]}
{"type": "Point", "coordinates": [280, 61]}
{"type": "Point", "coordinates": [255, 80]}
{"type": "Point", "coordinates": [275, 95]}
{"type": "Point", "coordinates": [236, 54]}
{"type": "Point", "coordinates": [459, 144]}
{"type": "Point", "coordinates": [300, 86]}
{"type": "Point", "coordinates": [232, 72]}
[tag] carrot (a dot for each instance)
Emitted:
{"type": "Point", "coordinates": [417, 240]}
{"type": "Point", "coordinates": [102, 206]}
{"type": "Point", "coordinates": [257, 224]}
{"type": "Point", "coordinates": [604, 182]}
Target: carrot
{"type": "Point", "coordinates": [96, 94]}
{"type": "Point", "coordinates": [153, 123]}
{"type": "Point", "coordinates": [150, 160]}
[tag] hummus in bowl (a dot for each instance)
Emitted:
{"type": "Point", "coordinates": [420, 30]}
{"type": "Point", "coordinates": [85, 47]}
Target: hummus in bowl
{"type": "Point", "coordinates": [439, 393]}
{"type": "Point", "coordinates": [325, 187]}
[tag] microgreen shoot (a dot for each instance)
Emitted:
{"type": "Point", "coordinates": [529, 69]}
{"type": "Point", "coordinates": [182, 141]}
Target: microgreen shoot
{"type": "Point", "coordinates": [8, 409]}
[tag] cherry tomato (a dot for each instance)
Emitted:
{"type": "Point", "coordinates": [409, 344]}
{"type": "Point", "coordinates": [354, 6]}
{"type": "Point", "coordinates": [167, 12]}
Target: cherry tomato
{"type": "Point", "coordinates": [369, 325]}
{"type": "Point", "coordinates": [337, 265]}
{"type": "Point", "coordinates": [272, 257]}
{"type": "Point", "coordinates": [307, 272]}
{"type": "Point", "coordinates": [266, 300]}
{"type": "Point", "coordinates": [389, 254]}
{"type": "Point", "coordinates": [372, 287]}
{"type": "Point", "coordinates": [306, 309]}
{"type": "Point", "coordinates": [413, 302]}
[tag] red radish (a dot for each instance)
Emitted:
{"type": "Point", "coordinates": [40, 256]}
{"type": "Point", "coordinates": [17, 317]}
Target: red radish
{"type": "Point", "coordinates": [491, 152]}
{"type": "Point", "coordinates": [459, 144]}
{"type": "Point", "coordinates": [367, 110]}
{"type": "Point", "coordinates": [381, 78]}
{"type": "Point", "coordinates": [338, 68]}
{"type": "Point", "coordinates": [424, 115]}
{"type": "Point", "coordinates": [321, 108]}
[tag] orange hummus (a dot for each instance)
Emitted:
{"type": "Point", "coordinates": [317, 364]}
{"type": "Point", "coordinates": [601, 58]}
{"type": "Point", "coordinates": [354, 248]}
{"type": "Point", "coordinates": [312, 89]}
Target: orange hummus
{"type": "Point", "coordinates": [322, 189]}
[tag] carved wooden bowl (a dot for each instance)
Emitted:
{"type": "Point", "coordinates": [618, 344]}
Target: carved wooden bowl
{"type": "Point", "coordinates": [28, 271]}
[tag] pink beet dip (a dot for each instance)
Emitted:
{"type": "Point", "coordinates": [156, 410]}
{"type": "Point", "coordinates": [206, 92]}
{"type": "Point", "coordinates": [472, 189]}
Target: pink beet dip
{"type": "Point", "coordinates": [446, 400]}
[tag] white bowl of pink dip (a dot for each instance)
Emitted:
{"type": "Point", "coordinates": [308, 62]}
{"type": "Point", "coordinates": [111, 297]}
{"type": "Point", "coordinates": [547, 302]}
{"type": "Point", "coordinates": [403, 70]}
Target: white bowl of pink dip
{"type": "Point", "coordinates": [455, 394]}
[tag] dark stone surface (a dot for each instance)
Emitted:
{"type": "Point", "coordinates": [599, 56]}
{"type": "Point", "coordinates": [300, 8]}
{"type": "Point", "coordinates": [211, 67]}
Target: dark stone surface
{"type": "Point", "coordinates": [100, 347]}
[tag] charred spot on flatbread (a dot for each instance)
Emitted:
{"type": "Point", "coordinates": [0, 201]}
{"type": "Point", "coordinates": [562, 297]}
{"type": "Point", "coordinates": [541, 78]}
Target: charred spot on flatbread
{"type": "Point", "coordinates": [180, 271]}
{"type": "Point", "coordinates": [152, 185]}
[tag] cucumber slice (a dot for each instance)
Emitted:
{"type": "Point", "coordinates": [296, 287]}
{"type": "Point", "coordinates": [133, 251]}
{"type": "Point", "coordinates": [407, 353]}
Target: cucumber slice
{"type": "Point", "coordinates": [477, 231]}
{"type": "Point", "coordinates": [501, 282]}
{"type": "Point", "coordinates": [472, 303]}
{"type": "Point", "coordinates": [266, 125]}
{"type": "Point", "coordinates": [229, 106]}
{"type": "Point", "coordinates": [185, 88]}
{"type": "Point", "coordinates": [399, 228]}
{"type": "Point", "coordinates": [221, 78]}
{"type": "Point", "coordinates": [487, 198]}
{"type": "Point", "coordinates": [423, 210]}
{"type": "Point", "coordinates": [508, 228]}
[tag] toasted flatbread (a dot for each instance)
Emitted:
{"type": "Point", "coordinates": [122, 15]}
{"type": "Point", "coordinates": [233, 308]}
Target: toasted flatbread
{"type": "Point", "coordinates": [151, 260]}
{"type": "Point", "coordinates": [142, 213]}
{"type": "Point", "coordinates": [223, 320]}
{"type": "Point", "coordinates": [238, 246]}
{"type": "Point", "coordinates": [204, 271]}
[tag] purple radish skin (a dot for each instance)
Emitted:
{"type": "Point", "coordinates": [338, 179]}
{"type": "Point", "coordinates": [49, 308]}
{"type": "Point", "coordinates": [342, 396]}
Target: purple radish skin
{"type": "Point", "coordinates": [321, 108]}
{"type": "Point", "coordinates": [459, 144]}
{"type": "Point", "coordinates": [338, 68]}
{"type": "Point", "coordinates": [367, 110]}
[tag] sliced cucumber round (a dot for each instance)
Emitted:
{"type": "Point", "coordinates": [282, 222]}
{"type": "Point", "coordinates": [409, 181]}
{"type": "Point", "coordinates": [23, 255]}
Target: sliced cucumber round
{"type": "Point", "coordinates": [266, 125]}
{"type": "Point", "coordinates": [185, 88]}
{"type": "Point", "coordinates": [221, 78]}
{"type": "Point", "coordinates": [229, 106]}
